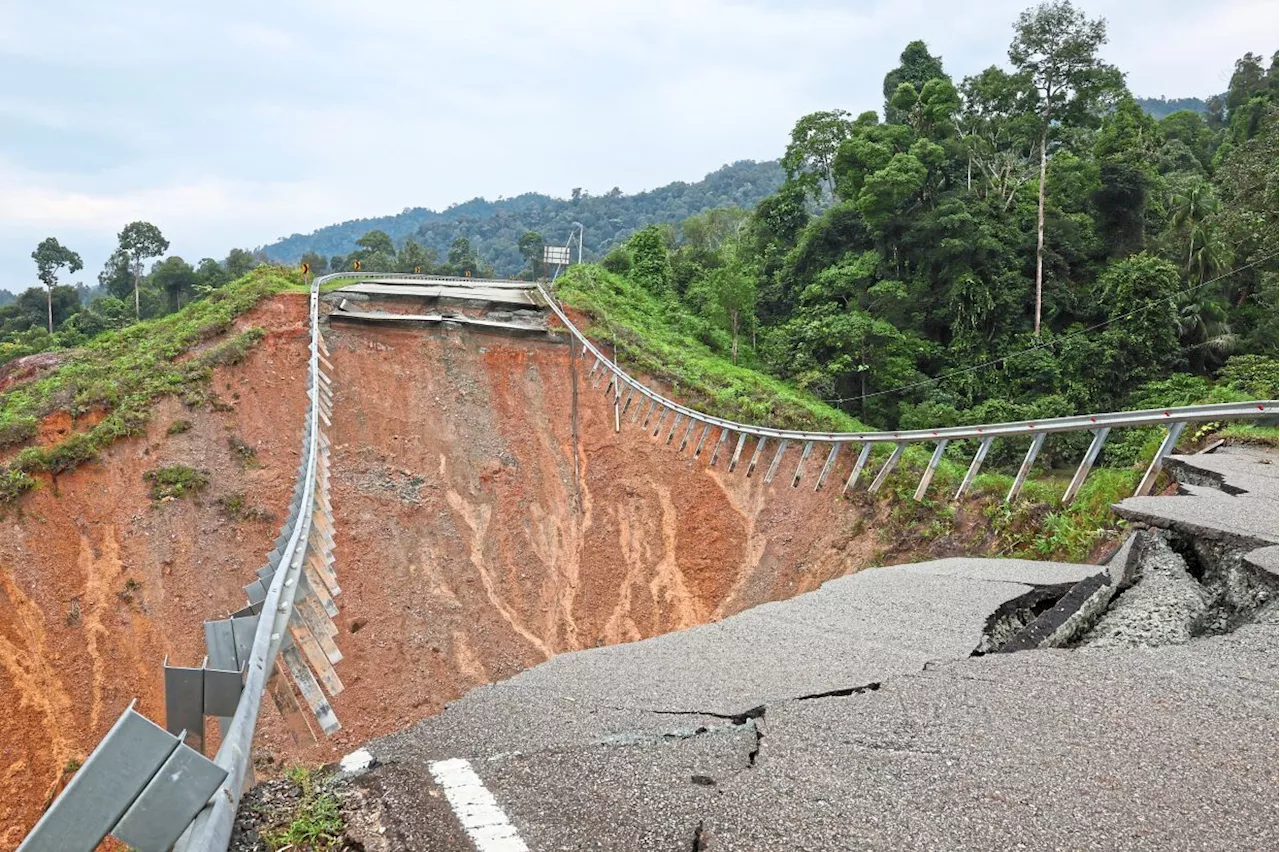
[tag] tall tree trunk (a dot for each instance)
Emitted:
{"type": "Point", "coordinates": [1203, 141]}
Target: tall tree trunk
{"type": "Point", "coordinates": [137, 300]}
{"type": "Point", "coordinates": [1040, 231]}
{"type": "Point", "coordinates": [50, 310]}
{"type": "Point", "coordinates": [735, 336]}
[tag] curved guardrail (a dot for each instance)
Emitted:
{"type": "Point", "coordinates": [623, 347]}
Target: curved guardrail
{"type": "Point", "coordinates": [1175, 419]}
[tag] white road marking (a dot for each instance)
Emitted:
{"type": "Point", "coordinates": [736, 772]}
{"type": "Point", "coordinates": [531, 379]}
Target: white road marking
{"type": "Point", "coordinates": [476, 808]}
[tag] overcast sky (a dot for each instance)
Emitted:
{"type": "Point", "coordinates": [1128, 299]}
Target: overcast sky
{"type": "Point", "coordinates": [235, 123]}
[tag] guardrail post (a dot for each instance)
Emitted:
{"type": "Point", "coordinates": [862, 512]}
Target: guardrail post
{"type": "Point", "coordinates": [657, 426]}
{"type": "Point", "coordinates": [773, 465]}
{"type": "Point", "coordinates": [684, 442]}
{"type": "Point", "coordinates": [706, 430]}
{"type": "Point", "coordinates": [737, 451]}
{"type": "Point", "coordinates": [1032, 452]}
{"type": "Point", "coordinates": [675, 424]}
{"type": "Point", "coordinates": [888, 466]}
{"type": "Point", "coordinates": [826, 467]}
{"type": "Point", "coordinates": [927, 477]}
{"type": "Point", "coordinates": [857, 467]}
{"type": "Point", "coordinates": [724, 436]}
{"type": "Point", "coordinates": [755, 456]}
{"type": "Point", "coordinates": [974, 467]}
{"type": "Point", "coordinates": [1091, 455]}
{"type": "Point", "coordinates": [804, 455]}
{"type": "Point", "coordinates": [647, 413]}
{"type": "Point", "coordinates": [1153, 470]}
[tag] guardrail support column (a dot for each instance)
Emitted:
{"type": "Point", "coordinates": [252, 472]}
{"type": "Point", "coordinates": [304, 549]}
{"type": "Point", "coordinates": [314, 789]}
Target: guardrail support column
{"type": "Point", "coordinates": [888, 467]}
{"type": "Point", "coordinates": [724, 436]}
{"type": "Point", "coordinates": [675, 424]}
{"type": "Point", "coordinates": [795, 478]}
{"type": "Point", "coordinates": [826, 467]}
{"type": "Point", "coordinates": [974, 467]}
{"type": "Point", "coordinates": [684, 442]}
{"type": "Point", "coordinates": [1090, 456]}
{"type": "Point", "coordinates": [1032, 452]}
{"type": "Point", "coordinates": [1166, 446]}
{"type": "Point", "coordinates": [857, 467]}
{"type": "Point", "coordinates": [737, 451]}
{"type": "Point", "coordinates": [706, 430]}
{"type": "Point", "coordinates": [648, 413]}
{"type": "Point", "coordinates": [773, 465]}
{"type": "Point", "coordinates": [755, 456]}
{"type": "Point", "coordinates": [928, 472]}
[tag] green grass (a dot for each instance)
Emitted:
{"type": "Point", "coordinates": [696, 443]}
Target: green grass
{"type": "Point", "coordinates": [1247, 433]}
{"type": "Point", "coordinates": [176, 480]}
{"type": "Point", "coordinates": [316, 823]}
{"type": "Point", "coordinates": [124, 373]}
{"type": "Point", "coordinates": [660, 339]}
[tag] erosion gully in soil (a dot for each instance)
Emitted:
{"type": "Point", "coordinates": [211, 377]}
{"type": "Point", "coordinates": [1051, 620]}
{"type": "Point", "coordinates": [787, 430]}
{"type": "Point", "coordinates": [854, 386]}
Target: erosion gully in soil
{"type": "Point", "coordinates": [467, 549]}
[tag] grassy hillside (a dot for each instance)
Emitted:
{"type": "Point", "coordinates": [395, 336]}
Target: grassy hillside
{"type": "Point", "coordinates": [121, 374]}
{"type": "Point", "coordinates": [659, 338]}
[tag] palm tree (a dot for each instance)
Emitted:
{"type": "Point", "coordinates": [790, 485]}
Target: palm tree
{"type": "Point", "coordinates": [1191, 208]}
{"type": "Point", "coordinates": [1203, 330]}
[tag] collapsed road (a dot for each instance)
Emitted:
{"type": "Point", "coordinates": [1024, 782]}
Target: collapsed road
{"type": "Point", "coordinates": [872, 713]}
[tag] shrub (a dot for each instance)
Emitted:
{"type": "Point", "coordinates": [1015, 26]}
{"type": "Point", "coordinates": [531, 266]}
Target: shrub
{"type": "Point", "coordinates": [1254, 375]}
{"type": "Point", "coordinates": [176, 480]}
{"type": "Point", "coordinates": [177, 427]}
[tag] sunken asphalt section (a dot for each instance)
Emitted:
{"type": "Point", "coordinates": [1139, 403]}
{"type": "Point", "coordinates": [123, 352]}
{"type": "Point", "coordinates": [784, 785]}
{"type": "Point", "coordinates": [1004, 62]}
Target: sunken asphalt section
{"type": "Point", "coordinates": [853, 717]}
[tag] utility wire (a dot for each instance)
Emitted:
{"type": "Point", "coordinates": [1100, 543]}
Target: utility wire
{"type": "Point", "coordinates": [1050, 343]}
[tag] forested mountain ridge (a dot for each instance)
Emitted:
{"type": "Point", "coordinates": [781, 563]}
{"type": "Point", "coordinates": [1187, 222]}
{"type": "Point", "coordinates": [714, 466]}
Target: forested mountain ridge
{"type": "Point", "coordinates": [1160, 107]}
{"type": "Point", "coordinates": [493, 228]}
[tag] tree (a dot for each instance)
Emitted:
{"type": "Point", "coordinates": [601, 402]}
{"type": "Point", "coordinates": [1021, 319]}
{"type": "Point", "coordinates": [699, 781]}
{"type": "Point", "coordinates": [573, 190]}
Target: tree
{"type": "Point", "coordinates": [412, 257]}
{"type": "Point", "coordinates": [239, 263]}
{"type": "Point", "coordinates": [210, 276]}
{"type": "Point", "coordinates": [531, 245]}
{"type": "Point", "coordinates": [811, 155]}
{"type": "Point", "coordinates": [316, 261]}
{"type": "Point", "coordinates": [50, 256]}
{"type": "Point", "coordinates": [1056, 47]}
{"type": "Point", "coordinates": [917, 67]}
{"type": "Point", "coordinates": [140, 241]}
{"type": "Point", "coordinates": [116, 277]}
{"type": "Point", "coordinates": [175, 278]}
{"type": "Point", "coordinates": [650, 263]}
{"type": "Point", "coordinates": [376, 242]}
{"type": "Point", "coordinates": [728, 296]}
{"type": "Point", "coordinates": [462, 258]}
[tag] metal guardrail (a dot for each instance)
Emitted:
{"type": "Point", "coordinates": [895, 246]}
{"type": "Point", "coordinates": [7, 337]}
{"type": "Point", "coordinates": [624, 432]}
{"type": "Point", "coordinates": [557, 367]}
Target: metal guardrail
{"type": "Point", "coordinates": [1175, 419]}
{"type": "Point", "coordinates": [211, 830]}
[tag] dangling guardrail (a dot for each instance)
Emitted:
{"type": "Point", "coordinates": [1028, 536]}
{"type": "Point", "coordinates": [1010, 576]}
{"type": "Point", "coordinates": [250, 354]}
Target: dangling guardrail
{"type": "Point", "coordinates": [1100, 425]}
